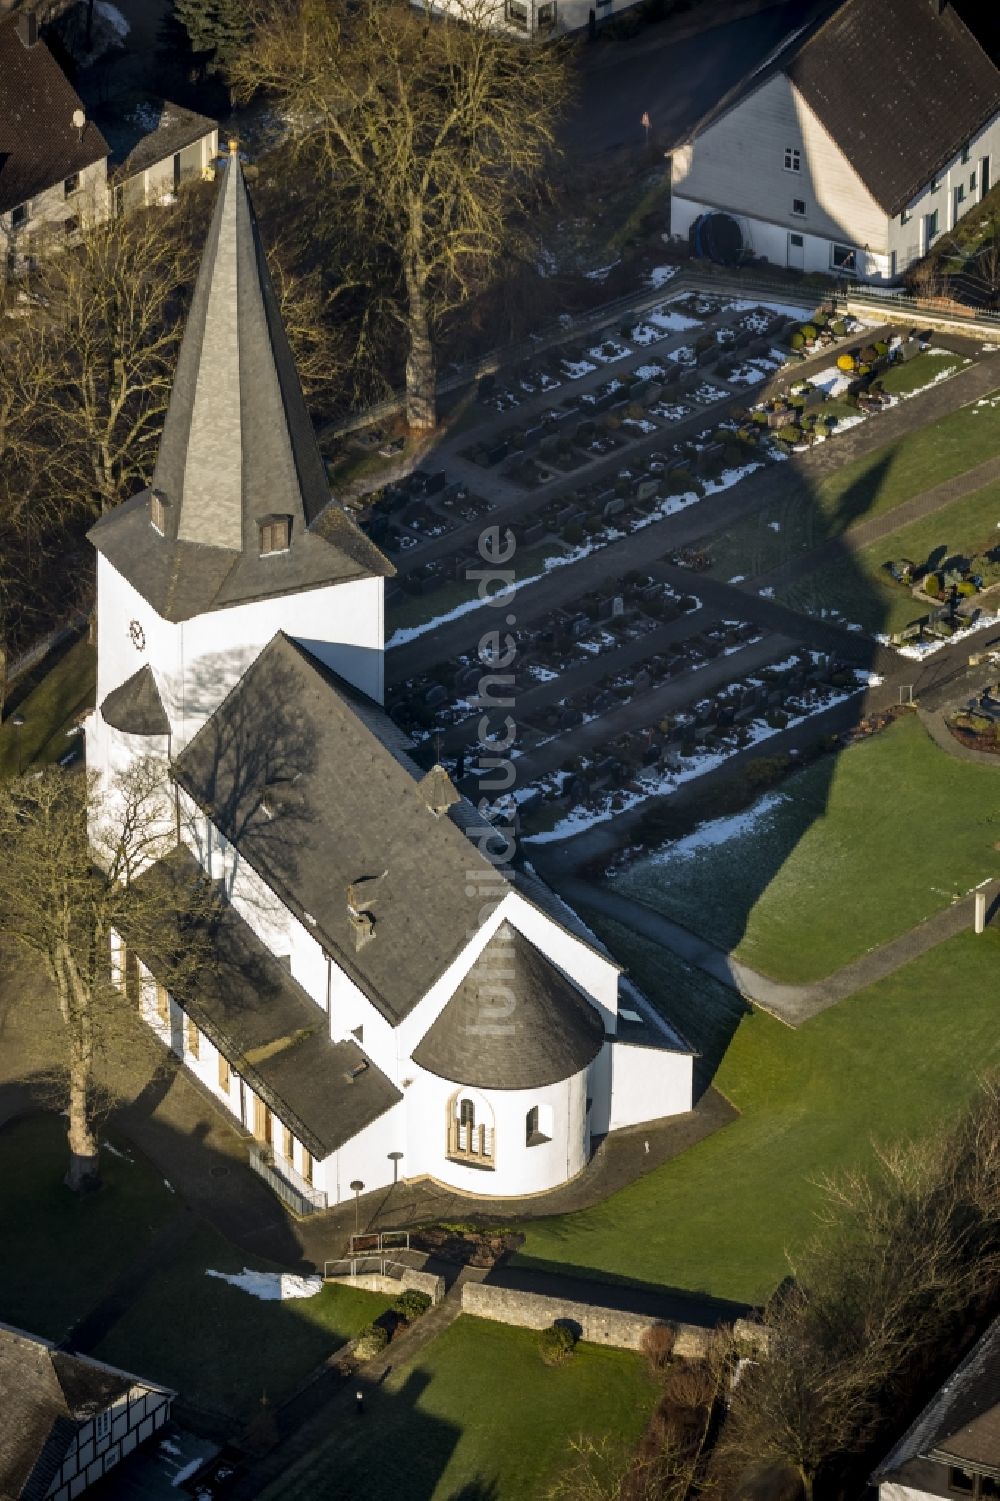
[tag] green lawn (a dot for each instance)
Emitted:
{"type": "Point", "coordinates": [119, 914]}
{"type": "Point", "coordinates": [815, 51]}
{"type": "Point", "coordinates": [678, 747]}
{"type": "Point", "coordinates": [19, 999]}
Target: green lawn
{"type": "Point", "coordinates": [49, 711]}
{"type": "Point", "coordinates": [924, 370]}
{"type": "Point", "coordinates": [852, 851]}
{"type": "Point", "coordinates": [897, 1060]}
{"type": "Point", "coordinates": [859, 491]}
{"type": "Point", "coordinates": [479, 1418]}
{"type": "Point", "coordinates": [59, 1255]}
{"type": "Point", "coordinates": [223, 1348]}
{"type": "Point", "coordinates": [859, 587]}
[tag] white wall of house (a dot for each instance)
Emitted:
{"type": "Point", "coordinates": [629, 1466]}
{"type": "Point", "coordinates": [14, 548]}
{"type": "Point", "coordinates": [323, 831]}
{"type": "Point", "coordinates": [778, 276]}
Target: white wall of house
{"type": "Point", "coordinates": [771, 164]}
{"type": "Point", "coordinates": [648, 1083]}
{"type": "Point", "coordinates": [156, 184]}
{"type": "Point", "coordinates": [537, 17]}
{"type": "Point", "coordinates": [890, 1490]}
{"type": "Point", "coordinates": [957, 190]}
{"type": "Point", "coordinates": [54, 215]}
{"type": "Point", "coordinates": [107, 1438]}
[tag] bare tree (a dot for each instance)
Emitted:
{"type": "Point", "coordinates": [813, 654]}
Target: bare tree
{"type": "Point", "coordinates": [429, 136]}
{"type": "Point", "coordinates": [71, 858]}
{"type": "Point", "coordinates": [904, 1254]}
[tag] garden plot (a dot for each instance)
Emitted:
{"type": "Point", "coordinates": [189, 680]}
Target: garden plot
{"type": "Point", "coordinates": [683, 355]}
{"type": "Point", "coordinates": [576, 369]}
{"type": "Point", "coordinates": [669, 411]}
{"type": "Point", "coordinates": [752, 371]}
{"type": "Point", "coordinates": [608, 351]}
{"type": "Point", "coordinates": [593, 398]}
{"type": "Point", "coordinates": [707, 395]}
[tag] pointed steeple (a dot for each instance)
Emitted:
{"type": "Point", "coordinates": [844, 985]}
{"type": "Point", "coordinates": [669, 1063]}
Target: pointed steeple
{"type": "Point", "coordinates": [238, 445]}
{"type": "Point", "coordinates": [239, 507]}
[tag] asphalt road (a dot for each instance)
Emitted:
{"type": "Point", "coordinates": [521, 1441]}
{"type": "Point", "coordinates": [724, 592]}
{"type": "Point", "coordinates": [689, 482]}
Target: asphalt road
{"type": "Point", "coordinates": [675, 82]}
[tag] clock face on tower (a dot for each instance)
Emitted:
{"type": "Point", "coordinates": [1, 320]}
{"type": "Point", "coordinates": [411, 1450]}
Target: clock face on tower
{"type": "Point", "coordinates": [137, 634]}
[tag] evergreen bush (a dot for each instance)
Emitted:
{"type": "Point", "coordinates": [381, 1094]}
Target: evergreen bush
{"type": "Point", "coordinates": [556, 1344]}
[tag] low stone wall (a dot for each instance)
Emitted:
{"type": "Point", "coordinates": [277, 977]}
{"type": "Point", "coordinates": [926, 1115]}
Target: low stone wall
{"type": "Point", "coordinates": [378, 1282]}
{"type": "Point", "coordinates": [597, 1324]}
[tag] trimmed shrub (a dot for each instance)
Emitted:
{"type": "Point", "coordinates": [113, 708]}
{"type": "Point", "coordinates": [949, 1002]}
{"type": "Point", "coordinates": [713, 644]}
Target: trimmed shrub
{"type": "Point", "coordinates": [966, 588]}
{"type": "Point", "coordinates": [556, 1343]}
{"type": "Point", "coordinates": [797, 340]}
{"type": "Point", "coordinates": [931, 584]}
{"type": "Point", "coordinates": [371, 1341]}
{"type": "Point", "coordinates": [657, 1345]}
{"type": "Point", "coordinates": [845, 362]}
{"type": "Point", "coordinates": [789, 435]}
{"type": "Point", "coordinates": [839, 327]}
{"type": "Point", "coordinates": [573, 533]}
{"type": "Point", "coordinates": [411, 1303]}
{"type": "Point", "coordinates": [809, 332]}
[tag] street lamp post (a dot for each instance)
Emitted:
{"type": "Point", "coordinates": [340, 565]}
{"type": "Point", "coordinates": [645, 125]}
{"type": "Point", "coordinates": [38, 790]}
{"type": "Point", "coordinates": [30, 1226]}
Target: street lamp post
{"type": "Point", "coordinates": [356, 1187]}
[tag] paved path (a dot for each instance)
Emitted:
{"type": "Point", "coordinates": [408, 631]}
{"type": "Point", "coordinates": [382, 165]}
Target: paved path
{"type": "Point", "coordinates": [793, 1004]}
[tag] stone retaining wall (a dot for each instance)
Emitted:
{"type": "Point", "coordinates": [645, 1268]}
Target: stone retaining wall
{"type": "Point", "coordinates": [597, 1324]}
{"type": "Point", "coordinates": [378, 1282]}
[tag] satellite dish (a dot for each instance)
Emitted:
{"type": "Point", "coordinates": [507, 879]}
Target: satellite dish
{"type": "Point", "coordinates": [79, 119]}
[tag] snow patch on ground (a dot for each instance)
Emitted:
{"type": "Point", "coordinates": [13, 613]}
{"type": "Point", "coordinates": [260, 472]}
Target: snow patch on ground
{"type": "Point", "coordinates": [117, 1152]}
{"type": "Point", "coordinates": [917, 650]}
{"type": "Point", "coordinates": [271, 1287]}
{"type": "Point", "coordinates": [831, 380]}
{"type": "Point", "coordinates": [720, 830]}
{"type": "Point", "coordinates": [660, 275]}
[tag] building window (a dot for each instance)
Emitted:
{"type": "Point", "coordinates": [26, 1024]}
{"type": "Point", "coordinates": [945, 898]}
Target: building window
{"type": "Point", "coordinates": [275, 534]}
{"type": "Point", "coordinates": [793, 159]}
{"type": "Point", "coordinates": [798, 206]}
{"type": "Point", "coordinates": [545, 18]}
{"type": "Point", "coordinates": [71, 225]}
{"type": "Point", "coordinates": [517, 14]}
{"type": "Point", "coordinates": [960, 194]}
{"type": "Point", "coordinates": [905, 216]}
{"type": "Point", "coordinates": [935, 184]}
{"type": "Point", "coordinates": [287, 1144]}
{"type": "Point", "coordinates": [470, 1140]}
{"type": "Point", "coordinates": [162, 1004]}
{"type": "Point", "coordinates": [102, 1424]}
{"type": "Point", "coordinates": [307, 1166]}
{"type": "Point", "coordinates": [931, 223]}
{"type": "Point", "coordinates": [537, 1127]}
{"type": "Point", "coordinates": [961, 1481]}
{"type": "Point", "coordinates": [19, 216]}
{"type": "Point", "coordinates": [797, 241]}
{"type": "Point", "coordinates": [71, 184]}
{"type": "Point", "coordinates": [157, 511]}
{"type": "Point", "coordinates": [966, 152]}
{"type": "Point", "coordinates": [466, 1113]}
{"type": "Point", "coordinates": [225, 1077]}
{"type": "Point", "coordinates": [843, 258]}
{"type": "Point", "coordinates": [192, 1039]}
{"type": "Point", "coordinates": [972, 182]}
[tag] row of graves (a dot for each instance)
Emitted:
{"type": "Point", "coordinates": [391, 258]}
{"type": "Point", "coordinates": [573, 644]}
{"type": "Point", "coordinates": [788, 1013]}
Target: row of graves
{"type": "Point", "coordinates": [618, 613]}
{"type": "Point", "coordinates": [655, 759]}
{"type": "Point", "coordinates": [405, 516]}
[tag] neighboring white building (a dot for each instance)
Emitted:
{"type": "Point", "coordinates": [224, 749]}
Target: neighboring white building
{"type": "Point", "coordinates": [387, 1001]}
{"type": "Point", "coordinates": [67, 1420]}
{"type": "Point", "coordinates": [156, 146]}
{"type": "Point", "coordinates": [851, 149]}
{"type": "Point", "coordinates": [953, 1448]}
{"type": "Point", "coordinates": [534, 18]}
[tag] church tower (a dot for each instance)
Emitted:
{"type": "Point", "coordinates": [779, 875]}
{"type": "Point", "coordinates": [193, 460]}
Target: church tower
{"type": "Point", "coordinates": [237, 537]}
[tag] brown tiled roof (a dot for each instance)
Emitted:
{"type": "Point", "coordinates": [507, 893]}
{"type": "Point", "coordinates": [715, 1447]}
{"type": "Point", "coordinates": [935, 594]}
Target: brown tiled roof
{"type": "Point", "coordinates": [39, 144]}
{"type": "Point", "coordinates": [900, 85]}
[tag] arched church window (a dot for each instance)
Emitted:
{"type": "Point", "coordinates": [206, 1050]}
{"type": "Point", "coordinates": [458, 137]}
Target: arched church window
{"type": "Point", "coordinates": [466, 1113]}
{"type": "Point", "coordinates": [538, 1125]}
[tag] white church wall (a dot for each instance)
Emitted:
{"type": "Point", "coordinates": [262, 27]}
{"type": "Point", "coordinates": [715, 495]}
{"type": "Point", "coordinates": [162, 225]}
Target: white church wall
{"type": "Point", "coordinates": [648, 1083]}
{"type": "Point", "coordinates": [119, 605]}
{"type": "Point", "coordinates": [340, 624]}
{"type": "Point", "coordinates": [365, 1158]}
{"type": "Point", "coordinates": [599, 1085]}
{"type": "Point", "coordinates": [517, 1167]}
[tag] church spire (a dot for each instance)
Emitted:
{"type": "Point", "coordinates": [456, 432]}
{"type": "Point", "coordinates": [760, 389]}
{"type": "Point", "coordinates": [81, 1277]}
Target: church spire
{"type": "Point", "coordinates": [238, 448]}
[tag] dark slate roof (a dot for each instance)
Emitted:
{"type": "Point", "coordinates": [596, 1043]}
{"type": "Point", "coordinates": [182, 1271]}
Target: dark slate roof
{"type": "Point", "coordinates": [295, 741]}
{"type": "Point", "coordinates": [961, 1423]}
{"type": "Point", "coordinates": [143, 129]}
{"type": "Point", "coordinates": [136, 707]}
{"type": "Point", "coordinates": [268, 1027]}
{"type": "Point", "coordinates": [515, 1022]}
{"type": "Point", "coordinates": [900, 85]}
{"type": "Point", "coordinates": [39, 144]}
{"type": "Point", "coordinates": [238, 446]}
{"type": "Point", "coordinates": [44, 1394]}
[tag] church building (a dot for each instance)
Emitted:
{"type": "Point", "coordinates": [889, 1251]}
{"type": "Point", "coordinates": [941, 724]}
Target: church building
{"type": "Point", "coordinates": [385, 1002]}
